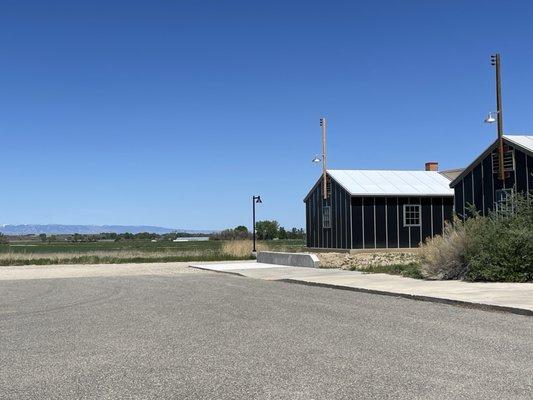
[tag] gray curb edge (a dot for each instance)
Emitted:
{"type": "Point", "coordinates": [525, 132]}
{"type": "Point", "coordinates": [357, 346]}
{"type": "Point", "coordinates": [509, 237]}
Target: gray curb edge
{"type": "Point", "coordinates": [480, 306]}
{"type": "Point", "coordinates": [467, 304]}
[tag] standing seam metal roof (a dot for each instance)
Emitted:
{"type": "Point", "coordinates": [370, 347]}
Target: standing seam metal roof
{"type": "Point", "coordinates": [392, 183]}
{"type": "Point", "coordinates": [524, 141]}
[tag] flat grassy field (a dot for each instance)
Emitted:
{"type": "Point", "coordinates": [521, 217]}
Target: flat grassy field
{"type": "Point", "coordinates": [34, 252]}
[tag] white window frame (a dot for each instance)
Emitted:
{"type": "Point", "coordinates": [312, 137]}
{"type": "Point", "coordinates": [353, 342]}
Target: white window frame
{"type": "Point", "coordinates": [508, 193]}
{"type": "Point", "coordinates": [414, 208]}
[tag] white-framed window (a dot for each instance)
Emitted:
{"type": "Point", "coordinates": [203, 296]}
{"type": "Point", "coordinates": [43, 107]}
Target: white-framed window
{"type": "Point", "coordinates": [411, 215]}
{"type": "Point", "coordinates": [326, 217]}
{"type": "Point", "coordinates": [503, 194]}
{"type": "Point", "coordinates": [504, 200]}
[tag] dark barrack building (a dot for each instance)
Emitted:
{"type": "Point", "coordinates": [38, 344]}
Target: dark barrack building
{"type": "Point", "coordinates": [479, 185]}
{"type": "Point", "coordinates": [378, 209]}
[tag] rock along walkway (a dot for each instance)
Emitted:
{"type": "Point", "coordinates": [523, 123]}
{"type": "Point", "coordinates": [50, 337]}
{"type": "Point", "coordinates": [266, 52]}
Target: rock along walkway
{"type": "Point", "coordinates": [511, 297]}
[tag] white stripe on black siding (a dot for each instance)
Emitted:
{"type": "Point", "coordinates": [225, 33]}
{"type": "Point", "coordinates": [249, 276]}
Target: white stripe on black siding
{"type": "Point", "coordinates": [408, 228]}
{"type": "Point", "coordinates": [464, 213]}
{"type": "Point", "coordinates": [514, 169]}
{"type": "Point", "coordinates": [363, 219]}
{"type": "Point", "coordinates": [483, 187]}
{"type": "Point", "coordinates": [398, 220]}
{"type": "Point", "coordinates": [375, 242]}
{"type": "Point", "coordinates": [431, 208]}
{"type": "Point", "coordinates": [527, 176]}
{"type": "Point", "coordinates": [493, 195]}
{"type": "Point", "coordinates": [473, 194]}
{"type": "Point", "coordinates": [421, 216]}
{"type": "Point", "coordinates": [386, 223]}
{"type": "Point", "coordinates": [442, 210]}
{"type": "Point", "coordinates": [351, 223]}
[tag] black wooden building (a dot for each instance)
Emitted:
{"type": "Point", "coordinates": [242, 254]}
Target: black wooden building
{"type": "Point", "coordinates": [377, 209]}
{"type": "Point", "coordinates": [479, 184]}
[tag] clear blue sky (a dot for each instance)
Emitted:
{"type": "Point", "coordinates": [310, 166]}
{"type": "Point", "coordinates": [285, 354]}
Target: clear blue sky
{"type": "Point", "coordinates": [174, 113]}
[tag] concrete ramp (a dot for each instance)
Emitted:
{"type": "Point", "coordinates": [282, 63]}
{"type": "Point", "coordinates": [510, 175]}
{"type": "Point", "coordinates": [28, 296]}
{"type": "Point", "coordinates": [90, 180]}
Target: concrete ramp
{"type": "Point", "coordinates": [307, 260]}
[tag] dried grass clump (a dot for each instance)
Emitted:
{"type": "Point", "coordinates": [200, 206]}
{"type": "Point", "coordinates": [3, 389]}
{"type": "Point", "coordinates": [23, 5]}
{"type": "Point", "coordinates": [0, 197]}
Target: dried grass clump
{"type": "Point", "coordinates": [443, 255]}
{"type": "Point", "coordinates": [12, 256]}
{"type": "Point", "coordinates": [241, 248]}
{"type": "Point", "coordinates": [109, 257]}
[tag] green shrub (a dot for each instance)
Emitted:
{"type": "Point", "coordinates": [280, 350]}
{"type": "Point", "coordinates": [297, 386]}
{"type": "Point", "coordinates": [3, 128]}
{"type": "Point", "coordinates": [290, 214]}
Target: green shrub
{"type": "Point", "coordinates": [498, 247]}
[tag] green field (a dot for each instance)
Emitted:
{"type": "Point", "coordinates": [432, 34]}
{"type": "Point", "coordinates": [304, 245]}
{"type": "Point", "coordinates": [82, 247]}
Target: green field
{"type": "Point", "coordinates": [34, 252]}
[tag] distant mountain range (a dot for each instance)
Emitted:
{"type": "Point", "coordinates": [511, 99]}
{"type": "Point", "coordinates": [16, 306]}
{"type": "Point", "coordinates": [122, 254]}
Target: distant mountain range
{"type": "Point", "coordinates": [87, 229]}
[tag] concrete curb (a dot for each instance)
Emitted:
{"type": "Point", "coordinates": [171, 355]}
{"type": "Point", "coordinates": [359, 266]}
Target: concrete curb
{"type": "Point", "coordinates": [460, 303]}
{"type": "Point", "coordinates": [479, 306]}
{"type": "Point", "coordinates": [218, 272]}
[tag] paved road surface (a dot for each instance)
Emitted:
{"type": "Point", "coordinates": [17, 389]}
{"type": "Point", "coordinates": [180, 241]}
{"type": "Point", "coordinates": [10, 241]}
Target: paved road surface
{"type": "Point", "coordinates": [202, 335]}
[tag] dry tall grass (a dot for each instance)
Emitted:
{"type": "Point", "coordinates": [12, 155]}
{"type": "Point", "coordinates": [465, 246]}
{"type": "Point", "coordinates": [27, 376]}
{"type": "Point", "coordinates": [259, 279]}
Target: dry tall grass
{"type": "Point", "coordinates": [226, 250]}
{"type": "Point", "coordinates": [241, 248]}
{"type": "Point", "coordinates": [443, 255]}
{"type": "Point", "coordinates": [105, 257]}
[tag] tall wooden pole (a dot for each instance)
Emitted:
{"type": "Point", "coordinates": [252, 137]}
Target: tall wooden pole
{"type": "Point", "coordinates": [495, 61]}
{"type": "Point", "coordinates": [324, 160]}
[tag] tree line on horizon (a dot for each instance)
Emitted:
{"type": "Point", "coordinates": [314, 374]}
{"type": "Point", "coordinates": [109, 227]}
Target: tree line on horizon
{"type": "Point", "coordinates": [265, 230]}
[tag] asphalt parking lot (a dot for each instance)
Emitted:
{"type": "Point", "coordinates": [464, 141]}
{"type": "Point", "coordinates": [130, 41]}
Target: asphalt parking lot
{"type": "Point", "coordinates": [201, 335]}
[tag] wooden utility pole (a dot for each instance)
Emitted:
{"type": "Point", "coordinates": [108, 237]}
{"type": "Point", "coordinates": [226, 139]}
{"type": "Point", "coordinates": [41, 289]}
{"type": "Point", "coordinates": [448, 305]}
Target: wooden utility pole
{"type": "Point", "coordinates": [495, 61]}
{"type": "Point", "coordinates": [324, 161]}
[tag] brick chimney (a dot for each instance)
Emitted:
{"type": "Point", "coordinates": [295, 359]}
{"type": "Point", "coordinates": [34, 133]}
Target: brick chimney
{"type": "Point", "coordinates": [432, 166]}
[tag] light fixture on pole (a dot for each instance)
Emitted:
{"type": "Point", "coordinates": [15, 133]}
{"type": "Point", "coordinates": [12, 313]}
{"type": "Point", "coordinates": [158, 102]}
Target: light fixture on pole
{"type": "Point", "coordinates": [255, 200]}
{"type": "Point", "coordinates": [490, 118]}
{"type": "Point", "coordinates": [317, 159]}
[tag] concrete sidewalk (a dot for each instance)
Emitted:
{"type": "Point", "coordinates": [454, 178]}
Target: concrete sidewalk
{"type": "Point", "coordinates": [513, 297]}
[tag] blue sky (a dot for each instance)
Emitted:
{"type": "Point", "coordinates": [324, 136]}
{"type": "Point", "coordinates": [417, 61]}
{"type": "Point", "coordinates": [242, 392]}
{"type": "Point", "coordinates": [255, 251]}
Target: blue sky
{"type": "Point", "coordinates": [174, 113]}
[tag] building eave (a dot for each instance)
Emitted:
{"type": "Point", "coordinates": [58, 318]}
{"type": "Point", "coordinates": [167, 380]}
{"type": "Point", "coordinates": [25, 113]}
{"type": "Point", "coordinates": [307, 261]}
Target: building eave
{"type": "Point", "coordinates": [507, 139]}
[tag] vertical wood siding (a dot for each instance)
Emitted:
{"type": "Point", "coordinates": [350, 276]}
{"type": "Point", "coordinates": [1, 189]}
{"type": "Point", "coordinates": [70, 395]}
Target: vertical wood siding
{"type": "Point", "coordinates": [339, 235]}
{"type": "Point", "coordinates": [373, 221]}
{"type": "Point", "coordinates": [479, 186]}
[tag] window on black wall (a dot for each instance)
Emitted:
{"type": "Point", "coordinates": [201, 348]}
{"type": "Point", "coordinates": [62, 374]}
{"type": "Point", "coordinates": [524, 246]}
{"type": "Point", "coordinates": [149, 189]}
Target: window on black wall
{"type": "Point", "coordinates": [504, 200]}
{"type": "Point", "coordinates": [502, 195]}
{"type": "Point", "coordinates": [326, 217]}
{"type": "Point", "coordinates": [508, 161]}
{"type": "Point", "coordinates": [411, 215]}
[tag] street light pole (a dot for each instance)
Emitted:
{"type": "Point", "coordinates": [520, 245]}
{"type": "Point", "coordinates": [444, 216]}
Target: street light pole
{"type": "Point", "coordinates": [495, 61]}
{"type": "Point", "coordinates": [255, 200]}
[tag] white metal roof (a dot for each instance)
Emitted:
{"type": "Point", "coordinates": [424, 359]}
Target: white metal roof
{"type": "Point", "coordinates": [525, 141]}
{"type": "Point", "coordinates": [522, 141]}
{"type": "Point", "coordinates": [392, 183]}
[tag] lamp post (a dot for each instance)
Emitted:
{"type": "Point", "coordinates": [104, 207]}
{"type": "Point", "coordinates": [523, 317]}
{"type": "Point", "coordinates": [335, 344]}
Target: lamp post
{"type": "Point", "coordinates": [255, 200]}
